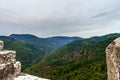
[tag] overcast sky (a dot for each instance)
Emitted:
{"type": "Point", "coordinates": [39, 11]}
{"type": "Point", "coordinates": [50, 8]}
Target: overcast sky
{"type": "Point", "coordinates": [45, 18]}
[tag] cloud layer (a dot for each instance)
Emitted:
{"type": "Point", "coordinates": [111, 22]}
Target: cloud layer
{"type": "Point", "coordinates": [59, 17]}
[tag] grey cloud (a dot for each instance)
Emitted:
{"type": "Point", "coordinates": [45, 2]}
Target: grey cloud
{"type": "Point", "coordinates": [101, 15]}
{"type": "Point", "coordinates": [58, 26]}
{"type": "Point", "coordinates": [58, 17]}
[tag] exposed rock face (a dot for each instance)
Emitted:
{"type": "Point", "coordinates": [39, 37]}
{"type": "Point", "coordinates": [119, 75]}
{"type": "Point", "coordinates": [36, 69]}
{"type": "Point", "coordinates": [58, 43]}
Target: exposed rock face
{"type": "Point", "coordinates": [9, 67]}
{"type": "Point", "coordinates": [113, 60]}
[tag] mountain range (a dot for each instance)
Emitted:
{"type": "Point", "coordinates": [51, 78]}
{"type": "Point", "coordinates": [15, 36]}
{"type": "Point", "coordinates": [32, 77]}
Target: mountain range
{"type": "Point", "coordinates": [61, 57]}
{"type": "Point", "coordinates": [45, 45]}
{"type": "Point", "coordinates": [31, 49]}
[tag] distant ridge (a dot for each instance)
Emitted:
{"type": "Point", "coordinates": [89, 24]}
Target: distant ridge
{"type": "Point", "coordinates": [50, 43]}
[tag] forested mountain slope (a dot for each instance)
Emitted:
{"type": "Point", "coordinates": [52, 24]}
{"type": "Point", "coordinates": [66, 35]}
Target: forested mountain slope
{"type": "Point", "coordinates": [25, 54]}
{"type": "Point", "coordinates": [76, 61]}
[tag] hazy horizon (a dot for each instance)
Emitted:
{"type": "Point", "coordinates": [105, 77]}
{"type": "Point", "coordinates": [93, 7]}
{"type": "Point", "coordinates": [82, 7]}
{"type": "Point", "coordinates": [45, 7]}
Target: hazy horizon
{"type": "Point", "coordinates": [62, 35]}
{"type": "Point", "coordinates": [45, 18]}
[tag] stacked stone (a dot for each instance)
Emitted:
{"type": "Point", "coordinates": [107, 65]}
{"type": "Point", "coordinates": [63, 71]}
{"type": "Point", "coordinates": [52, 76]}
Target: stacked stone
{"type": "Point", "coordinates": [9, 67]}
{"type": "Point", "coordinates": [113, 60]}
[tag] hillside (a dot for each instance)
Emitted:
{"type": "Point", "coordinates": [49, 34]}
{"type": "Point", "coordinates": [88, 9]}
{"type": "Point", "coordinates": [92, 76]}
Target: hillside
{"type": "Point", "coordinates": [59, 41]}
{"type": "Point", "coordinates": [75, 45]}
{"type": "Point", "coordinates": [45, 45]}
{"type": "Point", "coordinates": [76, 61]}
{"type": "Point", "coordinates": [25, 54]}
{"type": "Point", "coordinates": [30, 49]}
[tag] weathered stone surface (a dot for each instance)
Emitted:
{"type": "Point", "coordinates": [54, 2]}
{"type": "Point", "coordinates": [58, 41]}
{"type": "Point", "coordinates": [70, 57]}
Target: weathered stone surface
{"type": "Point", "coordinates": [113, 60]}
{"type": "Point", "coordinates": [7, 56]}
{"type": "Point", "coordinates": [9, 67]}
{"type": "Point", "coordinates": [17, 68]}
{"type": "Point", "coordinates": [1, 45]}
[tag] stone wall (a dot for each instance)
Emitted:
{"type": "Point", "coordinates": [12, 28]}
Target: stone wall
{"type": "Point", "coordinates": [113, 60]}
{"type": "Point", "coordinates": [9, 67]}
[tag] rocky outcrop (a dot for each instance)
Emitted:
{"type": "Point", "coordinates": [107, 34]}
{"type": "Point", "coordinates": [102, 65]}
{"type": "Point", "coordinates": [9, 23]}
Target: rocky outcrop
{"type": "Point", "coordinates": [113, 60]}
{"type": "Point", "coordinates": [9, 67]}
